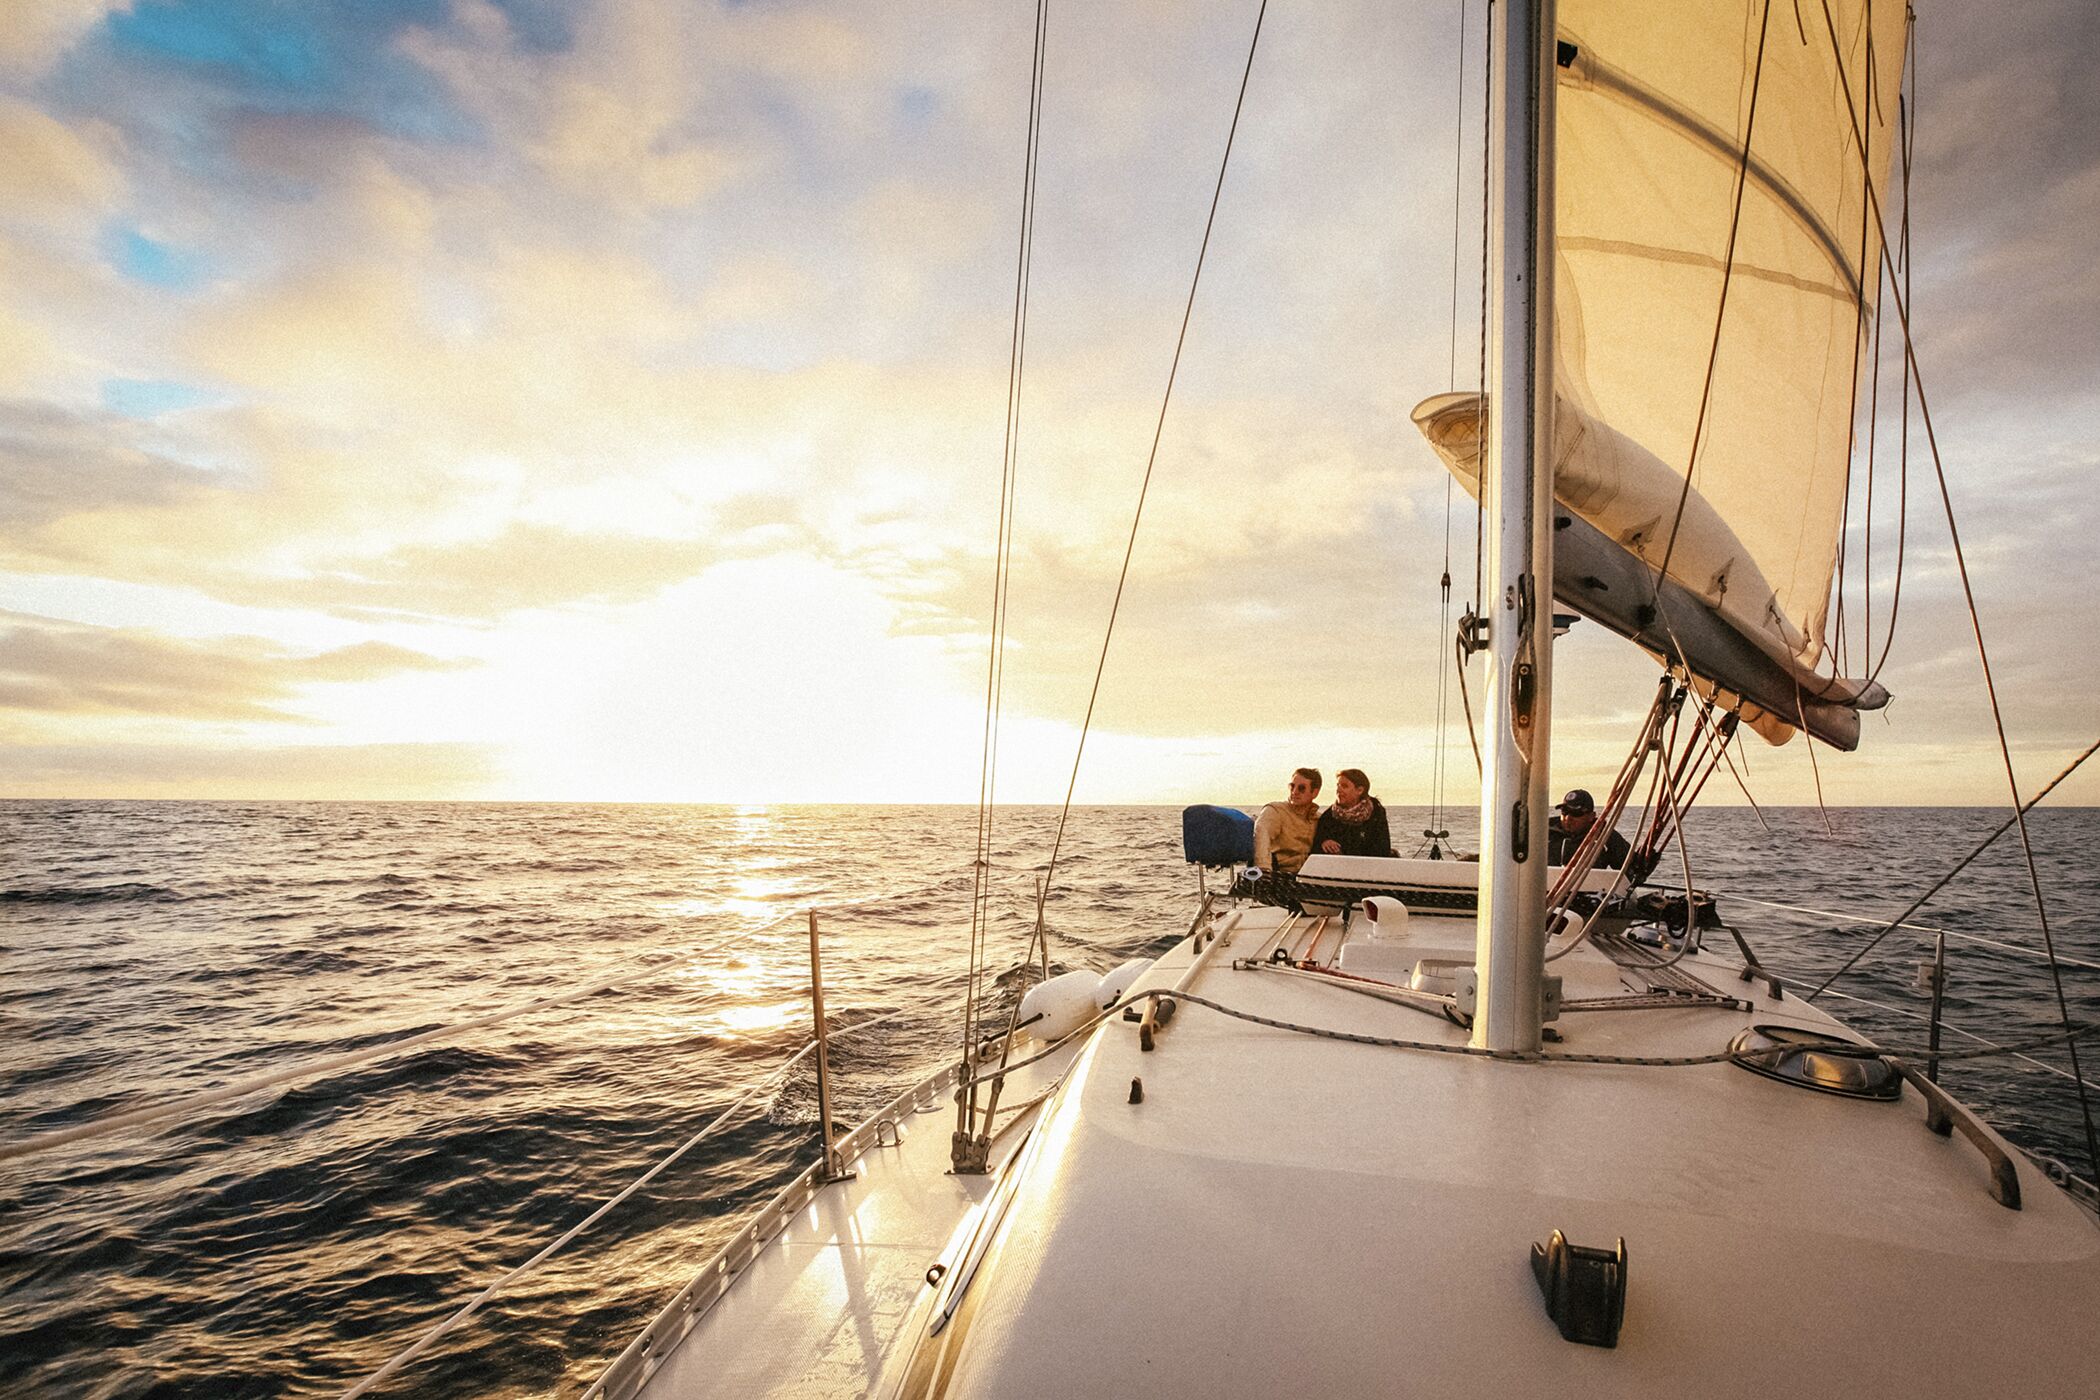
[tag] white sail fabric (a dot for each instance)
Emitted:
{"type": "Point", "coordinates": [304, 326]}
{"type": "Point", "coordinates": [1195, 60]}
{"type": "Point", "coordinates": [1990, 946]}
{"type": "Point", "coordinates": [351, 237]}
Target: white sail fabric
{"type": "Point", "coordinates": [1654, 107]}
{"type": "Point", "coordinates": [1653, 112]}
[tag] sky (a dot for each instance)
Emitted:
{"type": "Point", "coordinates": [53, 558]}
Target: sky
{"type": "Point", "coordinates": [518, 399]}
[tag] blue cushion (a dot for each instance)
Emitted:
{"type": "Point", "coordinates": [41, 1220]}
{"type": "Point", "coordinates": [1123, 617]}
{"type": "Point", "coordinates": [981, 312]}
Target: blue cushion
{"type": "Point", "coordinates": [1216, 836]}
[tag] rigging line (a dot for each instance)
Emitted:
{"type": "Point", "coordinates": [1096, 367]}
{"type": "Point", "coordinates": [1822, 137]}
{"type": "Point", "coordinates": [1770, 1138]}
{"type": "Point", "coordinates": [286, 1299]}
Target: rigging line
{"type": "Point", "coordinates": [1480, 437]}
{"type": "Point", "coordinates": [1713, 353]}
{"type": "Point", "coordinates": [1965, 1034]}
{"type": "Point", "coordinates": [2017, 950]}
{"type": "Point", "coordinates": [1990, 683]}
{"type": "Point", "coordinates": [1717, 739]}
{"type": "Point", "coordinates": [1737, 775]}
{"type": "Point", "coordinates": [1152, 457]}
{"type": "Point", "coordinates": [1440, 767]}
{"type": "Point", "coordinates": [1003, 547]}
{"type": "Point", "coordinates": [1907, 113]}
{"type": "Point", "coordinates": [1944, 880]}
{"type": "Point", "coordinates": [1465, 698]}
{"type": "Point", "coordinates": [1843, 648]}
{"type": "Point", "coordinates": [186, 1105]}
{"type": "Point", "coordinates": [1698, 746]}
{"type": "Point", "coordinates": [1458, 151]}
{"type": "Point", "coordinates": [769, 1083]}
{"type": "Point", "coordinates": [1815, 768]}
{"type": "Point", "coordinates": [1866, 572]}
{"type": "Point", "coordinates": [1684, 854]}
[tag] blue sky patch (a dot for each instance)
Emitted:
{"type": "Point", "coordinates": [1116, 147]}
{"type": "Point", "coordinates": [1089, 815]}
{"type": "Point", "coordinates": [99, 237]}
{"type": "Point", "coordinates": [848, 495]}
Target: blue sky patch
{"type": "Point", "coordinates": [281, 56]}
{"type": "Point", "coordinates": [152, 262]}
{"type": "Point", "coordinates": [918, 103]}
{"type": "Point", "coordinates": [149, 398]}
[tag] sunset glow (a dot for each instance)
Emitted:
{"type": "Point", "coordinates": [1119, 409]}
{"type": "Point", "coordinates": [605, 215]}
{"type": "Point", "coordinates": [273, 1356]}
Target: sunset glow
{"type": "Point", "coordinates": [461, 399]}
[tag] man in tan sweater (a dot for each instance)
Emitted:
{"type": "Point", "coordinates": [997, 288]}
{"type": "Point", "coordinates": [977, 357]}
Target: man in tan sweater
{"type": "Point", "coordinates": [1283, 833]}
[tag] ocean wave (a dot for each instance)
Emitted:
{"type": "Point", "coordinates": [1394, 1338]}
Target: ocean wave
{"type": "Point", "coordinates": [125, 893]}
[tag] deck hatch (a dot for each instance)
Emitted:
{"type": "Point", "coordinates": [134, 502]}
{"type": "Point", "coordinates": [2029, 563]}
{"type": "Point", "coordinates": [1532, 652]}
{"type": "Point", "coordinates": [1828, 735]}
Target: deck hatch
{"type": "Point", "coordinates": [1812, 1060]}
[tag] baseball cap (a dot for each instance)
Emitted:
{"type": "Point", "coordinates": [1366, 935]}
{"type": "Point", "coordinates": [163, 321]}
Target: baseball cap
{"type": "Point", "coordinates": [1578, 800]}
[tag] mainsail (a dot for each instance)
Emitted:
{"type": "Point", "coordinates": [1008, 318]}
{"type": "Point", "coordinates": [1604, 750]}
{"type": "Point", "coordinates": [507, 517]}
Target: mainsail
{"type": "Point", "coordinates": [1679, 316]}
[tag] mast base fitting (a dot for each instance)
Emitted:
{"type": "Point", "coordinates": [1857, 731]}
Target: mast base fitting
{"type": "Point", "coordinates": [1584, 1288]}
{"type": "Point", "coordinates": [1466, 995]}
{"type": "Point", "coordinates": [969, 1154]}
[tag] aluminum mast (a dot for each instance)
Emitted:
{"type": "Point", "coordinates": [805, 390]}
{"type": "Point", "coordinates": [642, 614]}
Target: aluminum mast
{"type": "Point", "coordinates": [1517, 494]}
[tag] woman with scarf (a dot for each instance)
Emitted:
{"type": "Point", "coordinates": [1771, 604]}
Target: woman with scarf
{"type": "Point", "coordinates": [1355, 824]}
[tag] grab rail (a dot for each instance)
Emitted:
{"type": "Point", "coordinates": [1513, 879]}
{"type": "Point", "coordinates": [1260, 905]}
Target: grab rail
{"type": "Point", "coordinates": [1943, 1115]}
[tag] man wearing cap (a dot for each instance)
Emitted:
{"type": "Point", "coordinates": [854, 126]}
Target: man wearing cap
{"type": "Point", "coordinates": [1576, 814]}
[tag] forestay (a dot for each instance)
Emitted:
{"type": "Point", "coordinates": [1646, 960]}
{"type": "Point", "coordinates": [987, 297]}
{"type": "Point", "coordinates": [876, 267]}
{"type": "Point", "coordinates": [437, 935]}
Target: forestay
{"type": "Point", "coordinates": [1656, 103]}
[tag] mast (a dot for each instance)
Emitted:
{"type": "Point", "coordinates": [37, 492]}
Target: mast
{"type": "Point", "coordinates": [1517, 493]}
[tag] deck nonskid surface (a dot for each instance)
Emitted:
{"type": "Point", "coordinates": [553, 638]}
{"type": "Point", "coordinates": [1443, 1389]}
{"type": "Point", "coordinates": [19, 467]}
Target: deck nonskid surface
{"type": "Point", "coordinates": [1294, 1213]}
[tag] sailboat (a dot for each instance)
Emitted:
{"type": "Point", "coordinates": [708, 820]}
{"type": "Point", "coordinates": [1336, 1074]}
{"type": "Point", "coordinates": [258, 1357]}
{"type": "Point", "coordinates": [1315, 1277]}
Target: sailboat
{"type": "Point", "coordinates": [1392, 1150]}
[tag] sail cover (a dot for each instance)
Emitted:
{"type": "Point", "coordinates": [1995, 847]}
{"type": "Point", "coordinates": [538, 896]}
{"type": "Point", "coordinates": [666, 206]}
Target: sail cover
{"type": "Point", "coordinates": [1657, 100]}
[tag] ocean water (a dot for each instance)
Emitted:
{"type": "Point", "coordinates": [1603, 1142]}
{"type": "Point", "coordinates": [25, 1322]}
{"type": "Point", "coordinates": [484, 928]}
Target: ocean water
{"type": "Point", "coordinates": [288, 1244]}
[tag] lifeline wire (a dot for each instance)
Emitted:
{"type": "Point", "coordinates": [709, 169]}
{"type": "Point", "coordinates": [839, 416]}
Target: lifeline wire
{"type": "Point", "coordinates": [473, 1305]}
{"type": "Point", "coordinates": [1919, 903]}
{"type": "Point", "coordinates": [2016, 949]}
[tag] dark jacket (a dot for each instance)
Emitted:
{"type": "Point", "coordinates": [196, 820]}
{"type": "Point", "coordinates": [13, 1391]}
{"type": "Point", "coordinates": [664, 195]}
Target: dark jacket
{"type": "Point", "coordinates": [1561, 844]}
{"type": "Point", "coordinates": [1365, 838]}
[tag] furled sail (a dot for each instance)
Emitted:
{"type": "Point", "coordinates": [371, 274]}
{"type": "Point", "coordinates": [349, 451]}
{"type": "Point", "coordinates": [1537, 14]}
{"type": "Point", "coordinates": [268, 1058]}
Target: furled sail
{"type": "Point", "coordinates": [1655, 104]}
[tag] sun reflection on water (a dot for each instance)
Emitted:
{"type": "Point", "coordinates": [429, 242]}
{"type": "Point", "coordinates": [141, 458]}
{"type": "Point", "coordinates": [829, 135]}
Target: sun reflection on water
{"type": "Point", "coordinates": [749, 1019]}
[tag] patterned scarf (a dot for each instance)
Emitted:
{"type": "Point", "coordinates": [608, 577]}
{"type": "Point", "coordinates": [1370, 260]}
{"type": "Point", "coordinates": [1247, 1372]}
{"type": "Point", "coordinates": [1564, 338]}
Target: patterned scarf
{"type": "Point", "coordinates": [1355, 814]}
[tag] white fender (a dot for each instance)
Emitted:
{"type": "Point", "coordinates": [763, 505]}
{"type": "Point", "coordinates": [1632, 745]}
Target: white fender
{"type": "Point", "coordinates": [1112, 986]}
{"type": "Point", "coordinates": [1054, 1009]}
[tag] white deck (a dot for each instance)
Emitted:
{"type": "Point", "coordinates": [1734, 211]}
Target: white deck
{"type": "Point", "coordinates": [1287, 1214]}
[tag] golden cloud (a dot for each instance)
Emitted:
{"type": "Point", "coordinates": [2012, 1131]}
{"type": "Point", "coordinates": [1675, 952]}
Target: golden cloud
{"type": "Point", "coordinates": [64, 668]}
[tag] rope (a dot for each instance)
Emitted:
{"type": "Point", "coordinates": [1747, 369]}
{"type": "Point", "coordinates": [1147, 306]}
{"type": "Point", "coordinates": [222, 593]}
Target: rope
{"type": "Point", "coordinates": [473, 1305]}
{"type": "Point", "coordinates": [1439, 764]}
{"type": "Point", "coordinates": [1908, 111]}
{"type": "Point", "coordinates": [1152, 457]}
{"type": "Point", "coordinates": [1480, 437]}
{"type": "Point", "coordinates": [1990, 684]}
{"type": "Point", "coordinates": [188, 1105]}
{"type": "Point", "coordinates": [1736, 774]}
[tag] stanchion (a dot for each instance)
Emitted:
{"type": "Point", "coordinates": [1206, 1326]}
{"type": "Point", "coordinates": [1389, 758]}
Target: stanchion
{"type": "Point", "coordinates": [832, 1169]}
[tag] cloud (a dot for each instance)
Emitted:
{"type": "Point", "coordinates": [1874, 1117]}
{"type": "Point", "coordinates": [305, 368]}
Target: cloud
{"type": "Point", "coordinates": [55, 462]}
{"type": "Point", "coordinates": [2007, 185]}
{"type": "Point", "coordinates": [374, 772]}
{"type": "Point", "coordinates": [38, 31]}
{"type": "Point", "coordinates": [526, 566]}
{"type": "Point", "coordinates": [57, 668]}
